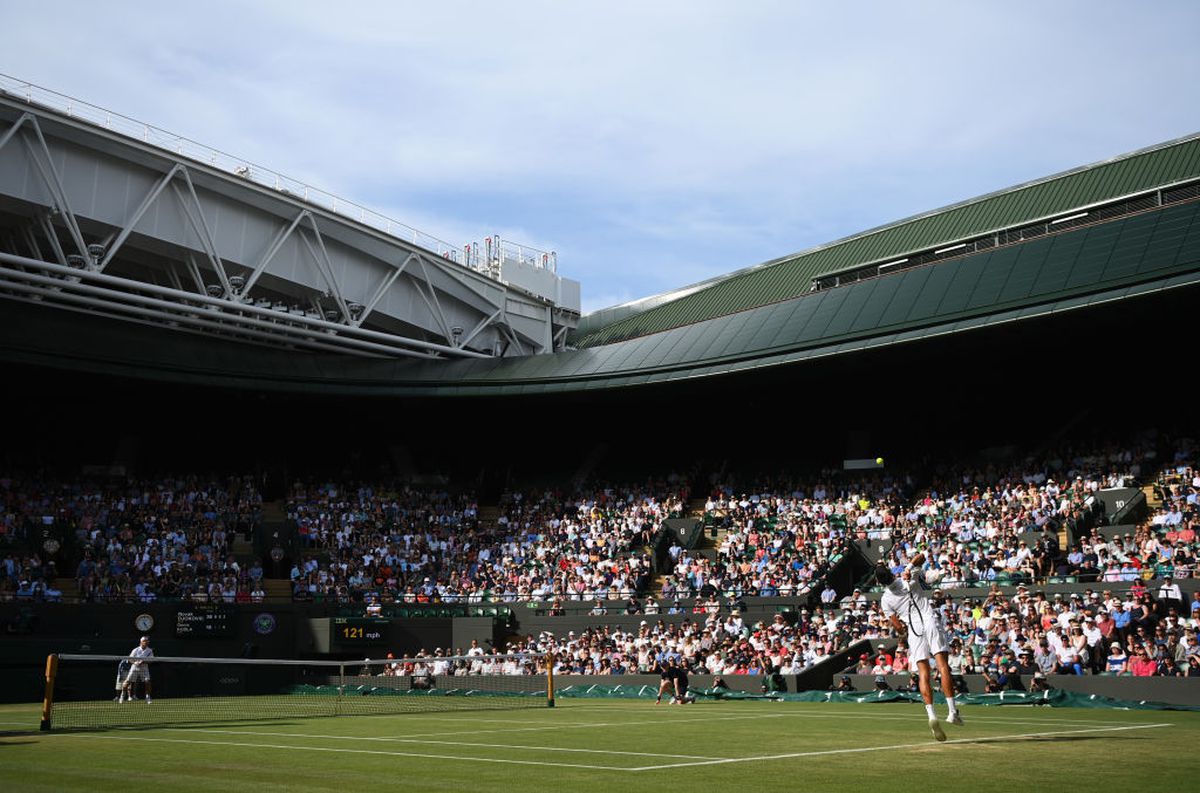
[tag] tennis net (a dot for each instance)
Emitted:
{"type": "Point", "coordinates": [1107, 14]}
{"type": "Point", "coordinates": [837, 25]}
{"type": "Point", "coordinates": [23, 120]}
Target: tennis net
{"type": "Point", "coordinates": [106, 691]}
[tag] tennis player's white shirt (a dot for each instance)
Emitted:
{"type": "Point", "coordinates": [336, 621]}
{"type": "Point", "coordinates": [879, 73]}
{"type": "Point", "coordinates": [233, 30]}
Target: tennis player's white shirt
{"type": "Point", "coordinates": [909, 601]}
{"type": "Point", "coordinates": [139, 670]}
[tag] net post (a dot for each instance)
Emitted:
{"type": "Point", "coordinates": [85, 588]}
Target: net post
{"type": "Point", "coordinates": [48, 701]}
{"type": "Point", "coordinates": [549, 680]}
{"type": "Point", "coordinates": [341, 689]}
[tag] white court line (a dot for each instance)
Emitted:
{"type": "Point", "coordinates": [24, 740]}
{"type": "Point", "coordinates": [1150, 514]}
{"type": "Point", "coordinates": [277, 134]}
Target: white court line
{"type": "Point", "coordinates": [504, 761]}
{"type": "Point", "coordinates": [971, 718]}
{"type": "Point", "coordinates": [444, 743]}
{"type": "Point", "coordinates": [507, 761]}
{"type": "Point", "coordinates": [925, 745]}
{"type": "Point", "coordinates": [668, 720]}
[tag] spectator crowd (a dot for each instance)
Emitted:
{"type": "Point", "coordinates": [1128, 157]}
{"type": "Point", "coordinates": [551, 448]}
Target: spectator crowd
{"type": "Point", "coordinates": [132, 539]}
{"type": "Point", "coordinates": [136, 540]}
{"type": "Point", "coordinates": [403, 545]}
{"type": "Point", "coordinates": [1138, 630]}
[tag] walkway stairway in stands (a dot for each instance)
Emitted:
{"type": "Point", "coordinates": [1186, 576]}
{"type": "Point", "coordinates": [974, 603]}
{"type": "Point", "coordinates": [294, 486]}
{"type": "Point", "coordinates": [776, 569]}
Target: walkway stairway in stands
{"type": "Point", "coordinates": [243, 551]}
{"type": "Point", "coordinates": [489, 516]}
{"type": "Point", "coordinates": [274, 515]}
{"type": "Point", "coordinates": [69, 588]}
{"type": "Point", "coordinates": [277, 589]}
{"type": "Point", "coordinates": [273, 512]}
{"type": "Point", "coordinates": [707, 546]}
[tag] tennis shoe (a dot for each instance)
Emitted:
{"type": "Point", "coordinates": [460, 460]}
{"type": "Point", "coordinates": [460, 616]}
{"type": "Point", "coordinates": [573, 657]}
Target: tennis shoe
{"type": "Point", "coordinates": [956, 719]}
{"type": "Point", "coordinates": [935, 727]}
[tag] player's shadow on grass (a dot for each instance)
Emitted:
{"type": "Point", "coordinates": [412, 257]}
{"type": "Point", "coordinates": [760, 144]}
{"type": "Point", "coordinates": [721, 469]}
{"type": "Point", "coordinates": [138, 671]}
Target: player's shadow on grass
{"type": "Point", "coordinates": [202, 725]}
{"type": "Point", "coordinates": [4, 743]}
{"type": "Point", "coordinates": [168, 726]}
{"type": "Point", "coordinates": [228, 725]}
{"type": "Point", "coordinates": [1050, 739]}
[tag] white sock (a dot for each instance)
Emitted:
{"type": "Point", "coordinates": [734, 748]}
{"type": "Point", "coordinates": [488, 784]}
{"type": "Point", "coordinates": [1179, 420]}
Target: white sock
{"type": "Point", "coordinates": [929, 710]}
{"type": "Point", "coordinates": [951, 704]}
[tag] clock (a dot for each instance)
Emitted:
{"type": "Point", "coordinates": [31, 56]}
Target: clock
{"type": "Point", "coordinates": [143, 622]}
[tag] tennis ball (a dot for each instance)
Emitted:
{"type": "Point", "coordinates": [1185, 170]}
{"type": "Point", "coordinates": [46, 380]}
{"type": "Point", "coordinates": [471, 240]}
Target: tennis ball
{"type": "Point", "coordinates": [879, 461]}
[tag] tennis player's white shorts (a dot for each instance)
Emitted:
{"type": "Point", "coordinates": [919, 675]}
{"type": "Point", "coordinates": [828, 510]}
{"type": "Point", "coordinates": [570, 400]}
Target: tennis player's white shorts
{"type": "Point", "coordinates": [139, 674]}
{"type": "Point", "coordinates": [931, 642]}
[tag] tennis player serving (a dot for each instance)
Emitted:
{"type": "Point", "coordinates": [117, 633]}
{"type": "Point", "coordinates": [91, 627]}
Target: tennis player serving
{"type": "Point", "coordinates": [906, 603]}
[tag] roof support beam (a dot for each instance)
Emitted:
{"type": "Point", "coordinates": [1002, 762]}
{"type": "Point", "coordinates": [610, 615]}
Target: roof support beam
{"type": "Point", "coordinates": [110, 299]}
{"type": "Point", "coordinates": [49, 174]}
{"type": "Point", "coordinates": [133, 220]}
{"type": "Point", "coordinates": [382, 290]}
{"type": "Point", "coordinates": [321, 256]}
{"type": "Point", "coordinates": [52, 238]}
{"type": "Point", "coordinates": [195, 215]}
{"type": "Point", "coordinates": [238, 312]}
{"type": "Point", "coordinates": [483, 323]}
{"type": "Point", "coordinates": [431, 301]}
{"type": "Point", "coordinates": [272, 249]}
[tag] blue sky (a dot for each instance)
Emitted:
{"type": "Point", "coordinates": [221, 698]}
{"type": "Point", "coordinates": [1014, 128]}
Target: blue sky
{"type": "Point", "coordinates": [651, 144]}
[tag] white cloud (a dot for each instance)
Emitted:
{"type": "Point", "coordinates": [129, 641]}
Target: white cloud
{"type": "Point", "coordinates": [652, 143]}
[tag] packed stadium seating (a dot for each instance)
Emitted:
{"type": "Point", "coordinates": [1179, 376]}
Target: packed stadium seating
{"type": "Point", "coordinates": [419, 547]}
{"type": "Point", "coordinates": [780, 537]}
{"type": "Point", "coordinates": [367, 545]}
{"type": "Point", "coordinates": [133, 539]}
{"type": "Point", "coordinates": [713, 644]}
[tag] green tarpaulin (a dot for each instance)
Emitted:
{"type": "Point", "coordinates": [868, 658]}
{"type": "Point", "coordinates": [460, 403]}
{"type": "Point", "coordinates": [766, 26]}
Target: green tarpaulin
{"type": "Point", "coordinates": [1055, 698]}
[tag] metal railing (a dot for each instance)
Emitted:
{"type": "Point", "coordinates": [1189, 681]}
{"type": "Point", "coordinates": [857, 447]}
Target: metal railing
{"type": "Point", "coordinates": [264, 177]}
{"type": "Point", "coordinates": [1070, 220]}
{"type": "Point", "coordinates": [486, 257]}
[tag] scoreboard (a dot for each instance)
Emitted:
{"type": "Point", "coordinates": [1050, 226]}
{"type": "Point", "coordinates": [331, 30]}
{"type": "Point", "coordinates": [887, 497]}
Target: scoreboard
{"type": "Point", "coordinates": [358, 631]}
{"type": "Point", "coordinates": [204, 621]}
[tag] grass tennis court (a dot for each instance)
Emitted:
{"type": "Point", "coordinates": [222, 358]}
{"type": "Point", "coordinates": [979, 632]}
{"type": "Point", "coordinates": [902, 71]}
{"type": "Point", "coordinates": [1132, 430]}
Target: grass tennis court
{"type": "Point", "coordinates": [632, 746]}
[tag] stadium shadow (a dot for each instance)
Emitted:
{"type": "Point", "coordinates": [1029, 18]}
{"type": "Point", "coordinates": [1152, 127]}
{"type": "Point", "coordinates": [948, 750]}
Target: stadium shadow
{"type": "Point", "coordinates": [208, 724]}
{"type": "Point", "coordinates": [185, 725]}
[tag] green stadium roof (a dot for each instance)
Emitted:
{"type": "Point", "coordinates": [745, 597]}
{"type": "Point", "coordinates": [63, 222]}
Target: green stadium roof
{"type": "Point", "coordinates": [792, 276]}
{"type": "Point", "coordinates": [1144, 252]}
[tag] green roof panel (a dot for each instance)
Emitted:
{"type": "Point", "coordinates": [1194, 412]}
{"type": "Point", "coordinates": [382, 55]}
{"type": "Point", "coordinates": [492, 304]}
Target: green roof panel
{"type": "Point", "coordinates": [910, 287]}
{"type": "Point", "coordinates": [791, 276]}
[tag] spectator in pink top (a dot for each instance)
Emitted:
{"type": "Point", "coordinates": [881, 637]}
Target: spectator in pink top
{"type": "Point", "coordinates": [1141, 664]}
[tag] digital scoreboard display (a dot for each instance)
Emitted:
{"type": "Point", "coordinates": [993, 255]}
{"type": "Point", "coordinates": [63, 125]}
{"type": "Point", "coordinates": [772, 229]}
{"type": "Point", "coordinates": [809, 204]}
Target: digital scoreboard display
{"type": "Point", "coordinates": [358, 631]}
{"type": "Point", "coordinates": [204, 621]}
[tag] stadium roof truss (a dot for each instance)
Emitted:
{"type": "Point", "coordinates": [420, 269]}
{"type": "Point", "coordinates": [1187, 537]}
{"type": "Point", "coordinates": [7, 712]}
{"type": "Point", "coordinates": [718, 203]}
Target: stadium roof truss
{"type": "Point", "coordinates": [95, 223]}
{"type": "Point", "coordinates": [1139, 254]}
{"type": "Point", "coordinates": [1108, 232]}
